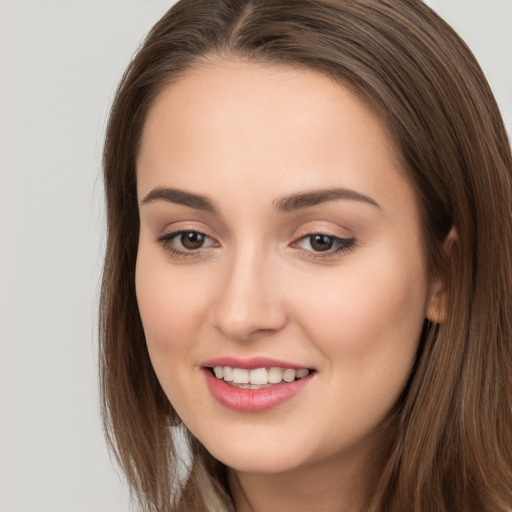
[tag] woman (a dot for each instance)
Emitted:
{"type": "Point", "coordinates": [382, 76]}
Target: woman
{"type": "Point", "coordinates": [308, 263]}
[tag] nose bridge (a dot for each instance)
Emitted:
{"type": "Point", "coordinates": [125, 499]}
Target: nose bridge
{"type": "Point", "coordinates": [249, 300]}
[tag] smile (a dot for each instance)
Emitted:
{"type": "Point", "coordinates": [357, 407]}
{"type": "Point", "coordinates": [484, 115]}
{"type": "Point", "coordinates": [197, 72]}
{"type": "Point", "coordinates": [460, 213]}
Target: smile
{"type": "Point", "coordinates": [257, 389]}
{"type": "Point", "coordinates": [258, 378]}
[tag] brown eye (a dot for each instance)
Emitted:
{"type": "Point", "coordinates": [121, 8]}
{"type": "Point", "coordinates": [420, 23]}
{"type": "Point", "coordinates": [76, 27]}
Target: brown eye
{"type": "Point", "coordinates": [192, 240]}
{"type": "Point", "coordinates": [321, 243]}
{"type": "Point", "coordinates": [187, 244]}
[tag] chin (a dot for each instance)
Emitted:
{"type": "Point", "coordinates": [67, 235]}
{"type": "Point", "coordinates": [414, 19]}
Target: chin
{"type": "Point", "coordinates": [257, 458]}
{"type": "Point", "coordinates": [262, 465]}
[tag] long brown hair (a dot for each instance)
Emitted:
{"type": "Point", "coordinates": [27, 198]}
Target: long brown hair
{"type": "Point", "coordinates": [450, 442]}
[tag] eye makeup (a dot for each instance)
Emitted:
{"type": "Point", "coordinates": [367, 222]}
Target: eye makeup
{"type": "Point", "coordinates": [192, 244]}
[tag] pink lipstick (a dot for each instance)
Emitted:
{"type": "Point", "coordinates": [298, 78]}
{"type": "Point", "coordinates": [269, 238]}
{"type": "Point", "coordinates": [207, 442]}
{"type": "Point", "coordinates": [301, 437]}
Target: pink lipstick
{"type": "Point", "coordinates": [255, 384]}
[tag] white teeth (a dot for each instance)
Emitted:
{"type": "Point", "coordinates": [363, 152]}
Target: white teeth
{"type": "Point", "coordinates": [240, 376]}
{"type": "Point", "coordinates": [275, 375]}
{"type": "Point", "coordinates": [289, 375]}
{"type": "Point", "coordinates": [252, 379]}
{"type": "Point", "coordinates": [258, 376]}
{"type": "Point", "coordinates": [228, 373]}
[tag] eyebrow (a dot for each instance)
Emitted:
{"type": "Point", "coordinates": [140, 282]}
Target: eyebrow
{"type": "Point", "coordinates": [177, 196]}
{"type": "Point", "coordinates": [312, 198]}
{"type": "Point", "coordinates": [286, 204]}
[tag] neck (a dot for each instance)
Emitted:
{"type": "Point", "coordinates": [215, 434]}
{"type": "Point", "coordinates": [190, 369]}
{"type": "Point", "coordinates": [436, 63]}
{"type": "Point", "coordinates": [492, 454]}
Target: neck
{"type": "Point", "coordinates": [328, 486]}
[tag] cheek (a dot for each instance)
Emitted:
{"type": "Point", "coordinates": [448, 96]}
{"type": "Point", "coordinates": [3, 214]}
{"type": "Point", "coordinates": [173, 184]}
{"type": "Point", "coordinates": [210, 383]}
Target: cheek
{"type": "Point", "coordinates": [170, 308]}
{"type": "Point", "coordinates": [370, 316]}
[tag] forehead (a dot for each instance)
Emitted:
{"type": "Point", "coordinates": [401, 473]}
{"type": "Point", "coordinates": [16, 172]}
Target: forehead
{"type": "Point", "coordinates": [223, 93]}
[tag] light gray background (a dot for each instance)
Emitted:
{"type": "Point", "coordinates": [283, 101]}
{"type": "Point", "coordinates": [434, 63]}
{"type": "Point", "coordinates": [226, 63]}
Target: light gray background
{"type": "Point", "coordinates": [60, 62]}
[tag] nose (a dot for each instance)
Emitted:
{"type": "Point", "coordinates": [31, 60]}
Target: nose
{"type": "Point", "coordinates": [250, 302]}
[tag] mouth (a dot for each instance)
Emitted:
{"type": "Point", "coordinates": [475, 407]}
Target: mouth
{"type": "Point", "coordinates": [258, 378]}
{"type": "Point", "coordinates": [255, 385]}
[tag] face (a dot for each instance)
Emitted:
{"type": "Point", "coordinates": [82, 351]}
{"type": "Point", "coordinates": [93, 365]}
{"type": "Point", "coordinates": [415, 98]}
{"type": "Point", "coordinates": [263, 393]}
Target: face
{"type": "Point", "coordinates": [280, 275]}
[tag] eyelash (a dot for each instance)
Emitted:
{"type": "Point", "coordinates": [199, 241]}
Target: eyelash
{"type": "Point", "coordinates": [342, 245]}
{"type": "Point", "coordinates": [166, 241]}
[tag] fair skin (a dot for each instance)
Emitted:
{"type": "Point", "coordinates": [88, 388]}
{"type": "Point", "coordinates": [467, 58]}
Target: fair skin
{"type": "Point", "coordinates": [249, 279]}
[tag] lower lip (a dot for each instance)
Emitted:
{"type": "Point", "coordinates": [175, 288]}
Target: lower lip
{"type": "Point", "coordinates": [253, 400]}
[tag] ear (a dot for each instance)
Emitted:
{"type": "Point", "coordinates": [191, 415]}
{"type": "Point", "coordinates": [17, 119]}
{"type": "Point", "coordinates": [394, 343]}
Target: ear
{"type": "Point", "coordinates": [437, 304]}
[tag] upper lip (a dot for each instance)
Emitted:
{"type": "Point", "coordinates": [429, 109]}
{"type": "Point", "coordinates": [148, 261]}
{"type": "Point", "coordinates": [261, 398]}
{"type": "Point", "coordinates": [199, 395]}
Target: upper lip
{"type": "Point", "coordinates": [251, 363]}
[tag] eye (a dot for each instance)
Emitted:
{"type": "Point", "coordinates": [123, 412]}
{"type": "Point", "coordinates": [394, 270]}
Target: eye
{"type": "Point", "coordinates": [322, 243]}
{"type": "Point", "coordinates": [191, 240]}
{"type": "Point", "coordinates": [182, 243]}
